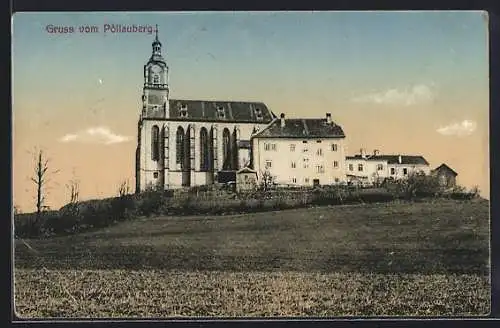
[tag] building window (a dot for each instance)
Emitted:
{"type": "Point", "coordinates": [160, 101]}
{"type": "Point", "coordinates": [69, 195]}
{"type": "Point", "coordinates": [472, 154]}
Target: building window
{"type": "Point", "coordinates": [269, 164]}
{"type": "Point", "coordinates": [155, 143]}
{"type": "Point", "coordinates": [294, 180]}
{"type": "Point", "coordinates": [304, 141]}
{"type": "Point", "coordinates": [292, 147]}
{"type": "Point", "coordinates": [305, 149]}
{"type": "Point", "coordinates": [155, 175]}
{"type": "Point", "coordinates": [405, 171]}
{"type": "Point", "coordinates": [204, 150]}
{"type": "Point", "coordinates": [294, 165]}
{"type": "Point", "coordinates": [360, 167]}
{"type": "Point", "coordinates": [318, 141]}
{"type": "Point", "coordinates": [393, 171]}
{"type": "Point", "coordinates": [320, 169]}
{"type": "Point", "coordinates": [306, 180]}
{"type": "Point", "coordinates": [351, 167]}
{"type": "Point", "coordinates": [179, 158]}
{"type": "Point", "coordinates": [269, 146]}
{"type": "Point", "coordinates": [306, 163]}
{"type": "Point", "coordinates": [226, 150]}
{"type": "Point", "coordinates": [380, 167]}
{"type": "Point", "coordinates": [319, 152]}
{"type": "Point", "coordinates": [337, 180]}
{"type": "Point", "coordinates": [335, 164]}
{"type": "Point", "coordinates": [334, 147]}
{"type": "Point", "coordinates": [156, 79]}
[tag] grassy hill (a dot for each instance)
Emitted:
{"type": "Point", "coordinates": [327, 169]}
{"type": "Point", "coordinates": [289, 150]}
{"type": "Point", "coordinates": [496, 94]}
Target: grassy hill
{"type": "Point", "coordinates": [420, 258]}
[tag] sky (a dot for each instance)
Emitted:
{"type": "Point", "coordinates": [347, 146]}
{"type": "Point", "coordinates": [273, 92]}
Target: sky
{"type": "Point", "coordinates": [399, 82]}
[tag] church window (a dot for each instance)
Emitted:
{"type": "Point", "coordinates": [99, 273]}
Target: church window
{"type": "Point", "coordinates": [156, 79]}
{"type": "Point", "coordinates": [183, 110]}
{"type": "Point", "coordinates": [220, 112]}
{"type": "Point", "coordinates": [180, 147]}
{"type": "Point", "coordinates": [226, 150]}
{"type": "Point", "coordinates": [155, 143]}
{"type": "Point", "coordinates": [204, 150]}
{"type": "Point", "coordinates": [155, 175]}
{"type": "Point", "coordinates": [258, 113]}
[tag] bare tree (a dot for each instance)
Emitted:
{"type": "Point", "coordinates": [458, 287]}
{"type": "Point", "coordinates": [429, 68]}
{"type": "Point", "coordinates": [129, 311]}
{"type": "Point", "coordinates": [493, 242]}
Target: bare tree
{"type": "Point", "coordinates": [267, 180]}
{"type": "Point", "coordinates": [41, 179]}
{"type": "Point", "coordinates": [73, 187]}
{"type": "Point", "coordinates": [124, 188]}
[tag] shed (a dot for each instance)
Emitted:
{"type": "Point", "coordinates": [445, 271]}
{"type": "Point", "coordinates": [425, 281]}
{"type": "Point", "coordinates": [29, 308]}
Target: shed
{"type": "Point", "coordinates": [446, 175]}
{"type": "Point", "coordinates": [246, 179]}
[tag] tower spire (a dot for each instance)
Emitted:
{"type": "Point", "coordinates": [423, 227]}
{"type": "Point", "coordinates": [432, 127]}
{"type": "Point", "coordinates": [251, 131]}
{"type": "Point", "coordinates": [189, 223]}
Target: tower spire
{"type": "Point", "coordinates": [156, 33]}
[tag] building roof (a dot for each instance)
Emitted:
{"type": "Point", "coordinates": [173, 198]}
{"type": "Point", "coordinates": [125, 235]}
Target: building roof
{"type": "Point", "coordinates": [444, 167]}
{"type": "Point", "coordinates": [394, 159]}
{"type": "Point", "coordinates": [301, 128]}
{"type": "Point", "coordinates": [220, 111]}
{"type": "Point", "coordinates": [246, 169]}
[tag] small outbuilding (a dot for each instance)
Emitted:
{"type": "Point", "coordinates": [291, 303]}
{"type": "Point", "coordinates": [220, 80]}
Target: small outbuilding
{"type": "Point", "coordinates": [246, 179]}
{"type": "Point", "coordinates": [446, 175]}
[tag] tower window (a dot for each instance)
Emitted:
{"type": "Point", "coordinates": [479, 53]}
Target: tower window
{"type": "Point", "coordinates": [156, 79]}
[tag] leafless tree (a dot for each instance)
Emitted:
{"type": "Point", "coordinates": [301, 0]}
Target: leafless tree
{"type": "Point", "coordinates": [267, 180]}
{"type": "Point", "coordinates": [124, 188]}
{"type": "Point", "coordinates": [41, 179]}
{"type": "Point", "coordinates": [73, 187]}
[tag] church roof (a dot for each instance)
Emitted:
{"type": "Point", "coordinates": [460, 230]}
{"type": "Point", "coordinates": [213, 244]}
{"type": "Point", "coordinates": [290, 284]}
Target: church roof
{"type": "Point", "coordinates": [302, 128]}
{"type": "Point", "coordinates": [220, 111]}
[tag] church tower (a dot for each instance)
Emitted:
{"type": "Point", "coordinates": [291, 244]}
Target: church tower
{"type": "Point", "coordinates": [152, 135]}
{"type": "Point", "coordinates": [155, 93]}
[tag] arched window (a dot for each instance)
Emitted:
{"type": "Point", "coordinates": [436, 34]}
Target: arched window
{"type": "Point", "coordinates": [226, 150]}
{"type": "Point", "coordinates": [204, 150]}
{"type": "Point", "coordinates": [155, 143]}
{"type": "Point", "coordinates": [180, 147]}
{"type": "Point", "coordinates": [156, 79]}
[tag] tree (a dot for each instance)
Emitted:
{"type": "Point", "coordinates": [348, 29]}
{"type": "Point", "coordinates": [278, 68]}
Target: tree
{"type": "Point", "coordinates": [41, 179]}
{"type": "Point", "coordinates": [73, 187]}
{"type": "Point", "coordinates": [267, 180]}
{"type": "Point", "coordinates": [418, 183]}
{"type": "Point", "coordinates": [124, 188]}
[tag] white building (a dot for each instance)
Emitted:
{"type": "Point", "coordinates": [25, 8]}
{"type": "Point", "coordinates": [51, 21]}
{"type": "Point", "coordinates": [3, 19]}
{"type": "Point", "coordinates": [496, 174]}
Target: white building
{"type": "Point", "coordinates": [300, 152]}
{"type": "Point", "coordinates": [367, 169]}
{"type": "Point", "coordinates": [188, 142]}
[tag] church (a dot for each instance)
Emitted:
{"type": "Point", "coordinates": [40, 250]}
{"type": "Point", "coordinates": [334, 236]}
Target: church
{"type": "Point", "coordinates": [186, 142]}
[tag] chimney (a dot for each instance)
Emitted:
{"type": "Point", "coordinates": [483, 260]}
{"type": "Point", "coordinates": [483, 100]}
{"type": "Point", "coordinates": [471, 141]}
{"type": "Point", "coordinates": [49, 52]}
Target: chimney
{"type": "Point", "coordinates": [376, 152]}
{"type": "Point", "coordinates": [400, 159]}
{"type": "Point", "coordinates": [362, 152]}
{"type": "Point", "coordinates": [329, 118]}
{"type": "Point", "coordinates": [282, 119]}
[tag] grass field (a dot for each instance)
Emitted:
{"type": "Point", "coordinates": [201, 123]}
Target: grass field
{"type": "Point", "coordinates": [422, 258]}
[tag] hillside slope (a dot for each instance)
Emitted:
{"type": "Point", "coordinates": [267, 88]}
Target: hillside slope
{"type": "Point", "coordinates": [445, 236]}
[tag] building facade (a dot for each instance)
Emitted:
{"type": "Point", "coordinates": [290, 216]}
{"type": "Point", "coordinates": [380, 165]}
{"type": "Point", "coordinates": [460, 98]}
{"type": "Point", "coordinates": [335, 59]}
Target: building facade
{"type": "Point", "coordinates": [300, 152]}
{"type": "Point", "coordinates": [182, 143]}
{"type": "Point", "coordinates": [370, 169]}
{"type": "Point", "coordinates": [447, 177]}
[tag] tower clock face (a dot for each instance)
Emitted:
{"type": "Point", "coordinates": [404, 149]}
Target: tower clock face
{"type": "Point", "coordinates": [156, 69]}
